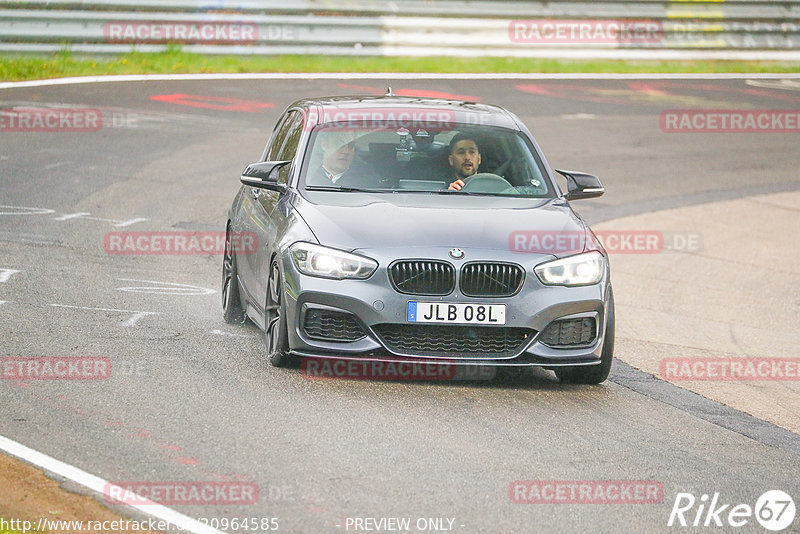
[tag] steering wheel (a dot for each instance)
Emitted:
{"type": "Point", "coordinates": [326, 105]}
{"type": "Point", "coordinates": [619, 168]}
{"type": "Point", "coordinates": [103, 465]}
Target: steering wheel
{"type": "Point", "coordinates": [485, 182]}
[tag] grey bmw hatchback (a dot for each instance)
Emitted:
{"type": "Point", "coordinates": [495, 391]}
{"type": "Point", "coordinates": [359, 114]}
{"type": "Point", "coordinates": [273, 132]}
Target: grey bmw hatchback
{"type": "Point", "coordinates": [419, 230]}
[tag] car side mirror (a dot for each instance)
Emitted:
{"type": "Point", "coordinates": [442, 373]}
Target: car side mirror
{"type": "Point", "coordinates": [581, 185]}
{"type": "Point", "coordinates": [264, 175]}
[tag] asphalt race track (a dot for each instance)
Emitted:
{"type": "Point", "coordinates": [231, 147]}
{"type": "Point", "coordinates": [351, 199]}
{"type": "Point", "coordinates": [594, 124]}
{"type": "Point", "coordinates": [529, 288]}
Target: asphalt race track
{"type": "Point", "coordinates": [191, 398]}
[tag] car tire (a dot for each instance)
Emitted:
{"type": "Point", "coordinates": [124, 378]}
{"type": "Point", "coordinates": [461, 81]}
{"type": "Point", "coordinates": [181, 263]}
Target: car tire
{"type": "Point", "coordinates": [276, 330]}
{"type": "Point", "coordinates": [594, 374]}
{"type": "Point", "coordinates": [232, 310]}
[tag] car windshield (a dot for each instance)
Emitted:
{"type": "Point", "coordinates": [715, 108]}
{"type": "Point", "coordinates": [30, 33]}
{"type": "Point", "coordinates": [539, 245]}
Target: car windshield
{"type": "Point", "coordinates": [349, 157]}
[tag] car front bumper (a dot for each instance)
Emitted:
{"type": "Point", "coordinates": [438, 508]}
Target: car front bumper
{"type": "Point", "coordinates": [374, 302]}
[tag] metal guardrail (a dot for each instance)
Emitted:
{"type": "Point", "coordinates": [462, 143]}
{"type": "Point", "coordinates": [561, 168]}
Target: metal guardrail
{"type": "Point", "coordinates": [727, 9]}
{"type": "Point", "coordinates": [410, 27]}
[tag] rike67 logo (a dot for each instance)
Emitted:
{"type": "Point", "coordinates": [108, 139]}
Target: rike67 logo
{"type": "Point", "coordinates": [774, 510]}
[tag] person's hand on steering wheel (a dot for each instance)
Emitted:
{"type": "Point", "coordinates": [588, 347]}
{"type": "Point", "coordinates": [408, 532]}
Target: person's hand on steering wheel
{"type": "Point", "coordinates": [457, 185]}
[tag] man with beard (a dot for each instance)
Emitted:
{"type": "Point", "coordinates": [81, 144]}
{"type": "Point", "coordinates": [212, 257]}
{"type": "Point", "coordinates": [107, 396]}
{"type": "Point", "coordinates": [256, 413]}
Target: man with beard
{"type": "Point", "coordinates": [464, 159]}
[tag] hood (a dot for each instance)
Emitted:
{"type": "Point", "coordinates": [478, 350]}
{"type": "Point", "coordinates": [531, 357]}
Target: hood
{"type": "Point", "coordinates": [364, 221]}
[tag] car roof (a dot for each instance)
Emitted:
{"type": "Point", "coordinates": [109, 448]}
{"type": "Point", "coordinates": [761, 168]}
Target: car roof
{"type": "Point", "coordinates": [334, 108]}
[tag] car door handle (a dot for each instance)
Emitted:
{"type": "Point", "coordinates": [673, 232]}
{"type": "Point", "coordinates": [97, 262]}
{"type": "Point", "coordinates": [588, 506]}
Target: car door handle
{"type": "Point", "coordinates": [254, 191]}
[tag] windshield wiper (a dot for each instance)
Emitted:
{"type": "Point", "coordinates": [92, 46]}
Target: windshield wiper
{"type": "Point", "coordinates": [346, 189]}
{"type": "Point", "coordinates": [454, 192]}
{"type": "Point", "coordinates": [397, 191]}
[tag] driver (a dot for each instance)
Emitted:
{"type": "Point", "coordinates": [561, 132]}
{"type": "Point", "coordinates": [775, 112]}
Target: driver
{"type": "Point", "coordinates": [464, 159]}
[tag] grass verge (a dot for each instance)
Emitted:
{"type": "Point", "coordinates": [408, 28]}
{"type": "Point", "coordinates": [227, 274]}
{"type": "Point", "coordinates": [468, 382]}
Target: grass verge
{"type": "Point", "coordinates": [174, 60]}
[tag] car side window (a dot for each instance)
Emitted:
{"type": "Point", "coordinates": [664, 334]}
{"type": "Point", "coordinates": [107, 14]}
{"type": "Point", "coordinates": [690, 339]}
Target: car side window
{"type": "Point", "coordinates": [280, 136]}
{"type": "Point", "coordinates": [289, 149]}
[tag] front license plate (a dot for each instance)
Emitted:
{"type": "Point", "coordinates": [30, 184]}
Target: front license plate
{"type": "Point", "coordinates": [456, 313]}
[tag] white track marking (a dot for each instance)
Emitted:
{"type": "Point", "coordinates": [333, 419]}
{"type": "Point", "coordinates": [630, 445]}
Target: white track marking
{"type": "Point", "coordinates": [57, 164]}
{"type": "Point", "coordinates": [169, 288]}
{"type": "Point", "coordinates": [101, 486]}
{"type": "Point", "coordinates": [29, 211]}
{"type": "Point", "coordinates": [71, 216]}
{"type": "Point", "coordinates": [101, 219]}
{"type": "Point", "coordinates": [788, 85]}
{"type": "Point", "coordinates": [85, 215]}
{"type": "Point", "coordinates": [578, 116]}
{"type": "Point", "coordinates": [5, 274]}
{"type": "Point", "coordinates": [24, 210]}
{"type": "Point", "coordinates": [135, 314]}
{"type": "Point", "coordinates": [400, 76]}
{"type": "Point", "coordinates": [135, 318]}
{"type": "Point", "coordinates": [131, 221]}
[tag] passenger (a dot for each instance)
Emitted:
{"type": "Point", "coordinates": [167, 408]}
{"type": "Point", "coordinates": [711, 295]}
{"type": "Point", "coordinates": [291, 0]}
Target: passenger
{"type": "Point", "coordinates": [464, 159]}
{"type": "Point", "coordinates": [339, 164]}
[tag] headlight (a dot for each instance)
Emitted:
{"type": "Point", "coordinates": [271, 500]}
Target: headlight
{"type": "Point", "coordinates": [316, 260]}
{"type": "Point", "coordinates": [580, 270]}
